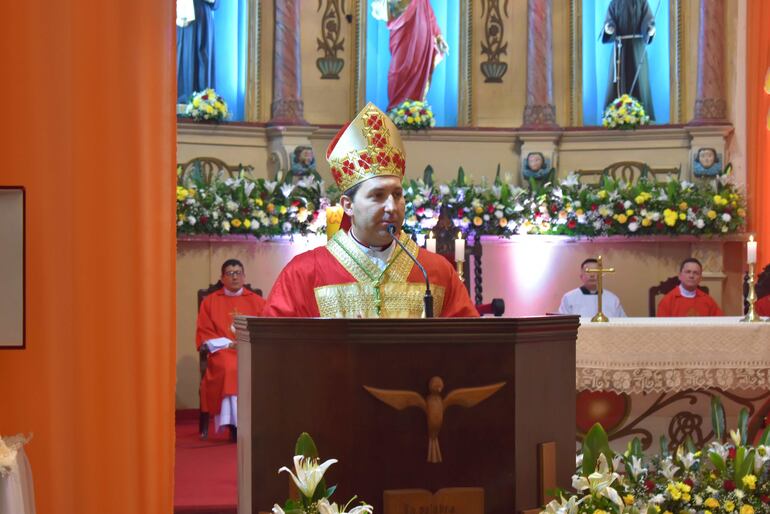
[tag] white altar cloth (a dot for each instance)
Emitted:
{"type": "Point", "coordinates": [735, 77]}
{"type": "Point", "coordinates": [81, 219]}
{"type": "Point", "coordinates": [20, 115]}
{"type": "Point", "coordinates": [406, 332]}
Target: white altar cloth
{"type": "Point", "coordinates": [651, 355]}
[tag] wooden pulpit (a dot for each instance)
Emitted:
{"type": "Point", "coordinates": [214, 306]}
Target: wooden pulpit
{"type": "Point", "coordinates": [467, 410]}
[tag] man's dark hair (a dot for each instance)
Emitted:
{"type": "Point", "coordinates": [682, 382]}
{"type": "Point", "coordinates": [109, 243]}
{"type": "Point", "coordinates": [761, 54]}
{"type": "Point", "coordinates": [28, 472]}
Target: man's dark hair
{"type": "Point", "coordinates": [587, 261]}
{"type": "Point", "coordinates": [690, 259]}
{"type": "Point", "coordinates": [231, 262]}
{"type": "Point", "coordinates": [351, 193]}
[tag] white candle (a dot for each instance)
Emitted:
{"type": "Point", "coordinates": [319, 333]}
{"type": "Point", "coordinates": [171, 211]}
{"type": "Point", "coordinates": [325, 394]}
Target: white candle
{"type": "Point", "coordinates": [751, 250]}
{"type": "Point", "coordinates": [460, 248]}
{"type": "Point", "coordinates": [430, 243]}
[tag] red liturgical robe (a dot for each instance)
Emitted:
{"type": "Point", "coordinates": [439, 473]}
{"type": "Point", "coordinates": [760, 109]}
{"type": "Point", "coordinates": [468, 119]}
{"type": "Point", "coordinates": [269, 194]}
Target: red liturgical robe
{"type": "Point", "coordinates": [215, 319]}
{"type": "Point", "coordinates": [676, 305]}
{"type": "Point", "coordinates": [340, 281]}
{"type": "Point", "coordinates": [763, 306]}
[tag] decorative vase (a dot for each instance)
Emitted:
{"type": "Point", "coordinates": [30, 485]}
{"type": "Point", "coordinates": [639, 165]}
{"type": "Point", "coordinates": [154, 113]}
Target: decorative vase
{"type": "Point", "coordinates": [494, 70]}
{"type": "Point", "coordinates": [330, 67]}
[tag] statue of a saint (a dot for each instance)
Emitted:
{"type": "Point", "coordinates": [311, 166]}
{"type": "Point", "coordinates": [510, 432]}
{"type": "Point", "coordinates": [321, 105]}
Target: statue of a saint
{"type": "Point", "coordinates": [416, 47]}
{"type": "Point", "coordinates": [194, 47]}
{"type": "Point", "coordinates": [536, 167]}
{"type": "Point", "coordinates": [707, 163]}
{"type": "Point", "coordinates": [630, 27]}
{"type": "Point", "coordinates": [303, 164]}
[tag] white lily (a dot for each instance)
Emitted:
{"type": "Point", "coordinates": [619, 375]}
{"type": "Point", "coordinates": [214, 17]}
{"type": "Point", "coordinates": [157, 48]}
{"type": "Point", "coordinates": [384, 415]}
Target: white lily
{"type": "Point", "coordinates": [760, 457]}
{"type": "Point", "coordinates": [287, 189]}
{"type": "Point", "coordinates": [277, 509]}
{"type": "Point", "coordinates": [567, 506]}
{"type": "Point", "coordinates": [599, 482]}
{"type": "Point", "coordinates": [571, 180]}
{"type": "Point", "coordinates": [720, 449]}
{"type": "Point", "coordinates": [636, 467]}
{"type": "Point", "coordinates": [270, 185]}
{"type": "Point", "coordinates": [578, 460]}
{"type": "Point", "coordinates": [735, 435]}
{"type": "Point", "coordinates": [667, 469]}
{"type": "Point", "coordinates": [324, 507]}
{"type": "Point", "coordinates": [687, 459]}
{"type": "Point", "coordinates": [309, 473]}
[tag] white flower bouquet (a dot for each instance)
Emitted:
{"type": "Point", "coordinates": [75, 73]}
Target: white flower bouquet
{"type": "Point", "coordinates": [207, 105]}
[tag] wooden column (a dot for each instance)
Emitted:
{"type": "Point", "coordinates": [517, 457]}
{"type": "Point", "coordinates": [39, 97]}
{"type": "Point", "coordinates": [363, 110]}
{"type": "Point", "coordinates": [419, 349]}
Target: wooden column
{"type": "Point", "coordinates": [710, 105]}
{"type": "Point", "coordinates": [540, 110]}
{"type": "Point", "coordinates": [287, 106]}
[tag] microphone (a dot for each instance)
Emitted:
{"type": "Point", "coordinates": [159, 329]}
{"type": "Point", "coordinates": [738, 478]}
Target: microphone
{"type": "Point", "coordinates": [428, 298]}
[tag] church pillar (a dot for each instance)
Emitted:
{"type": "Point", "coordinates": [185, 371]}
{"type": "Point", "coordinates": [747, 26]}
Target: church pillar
{"type": "Point", "coordinates": [540, 111]}
{"type": "Point", "coordinates": [710, 105]}
{"type": "Point", "coordinates": [287, 106]}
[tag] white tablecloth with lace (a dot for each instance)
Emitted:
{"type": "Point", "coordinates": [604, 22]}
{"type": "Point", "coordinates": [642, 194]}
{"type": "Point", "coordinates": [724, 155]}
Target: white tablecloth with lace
{"type": "Point", "coordinates": [645, 355]}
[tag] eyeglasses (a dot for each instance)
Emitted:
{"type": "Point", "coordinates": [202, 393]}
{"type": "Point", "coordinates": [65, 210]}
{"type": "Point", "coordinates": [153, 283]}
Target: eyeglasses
{"type": "Point", "coordinates": [233, 274]}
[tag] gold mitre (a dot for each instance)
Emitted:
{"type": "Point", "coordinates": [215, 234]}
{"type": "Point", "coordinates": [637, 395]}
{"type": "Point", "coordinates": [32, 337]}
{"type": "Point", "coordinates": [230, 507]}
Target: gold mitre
{"type": "Point", "coordinates": [370, 146]}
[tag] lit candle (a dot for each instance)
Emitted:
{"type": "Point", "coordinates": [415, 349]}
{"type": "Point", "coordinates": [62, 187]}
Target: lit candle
{"type": "Point", "coordinates": [460, 248]}
{"type": "Point", "coordinates": [751, 250]}
{"type": "Point", "coordinates": [430, 243]}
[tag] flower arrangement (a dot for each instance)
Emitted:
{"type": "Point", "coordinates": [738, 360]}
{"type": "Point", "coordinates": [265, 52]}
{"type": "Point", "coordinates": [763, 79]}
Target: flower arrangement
{"type": "Point", "coordinates": [725, 477]}
{"type": "Point", "coordinates": [412, 115]}
{"type": "Point", "coordinates": [207, 105]}
{"type": "Point", "coordinates": [566, 207]}
{"type": "Point", "coordinates": [625, 112]}
{"type": "Point", "coordinates": [9, 448]}
{"type": "Point", "coordinates": [308, 476]}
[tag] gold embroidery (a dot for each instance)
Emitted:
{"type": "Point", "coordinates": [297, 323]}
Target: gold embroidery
{"type": "Point", "coordinates": [376, 293]}
{"type": "Point", "coordinates": [399, 300]}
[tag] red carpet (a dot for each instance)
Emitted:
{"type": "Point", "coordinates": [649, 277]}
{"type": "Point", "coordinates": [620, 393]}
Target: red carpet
{"type": "Point", "coordinates": [206, 472]}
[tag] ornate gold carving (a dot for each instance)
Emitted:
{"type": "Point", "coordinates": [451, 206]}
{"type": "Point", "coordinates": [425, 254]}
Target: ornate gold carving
{"type": "Point", "coordinates": [493, 45]}
{"type": "Point", "coordinates": [434, 405]}
{"type": "Point", "coordinates": [540, 115]}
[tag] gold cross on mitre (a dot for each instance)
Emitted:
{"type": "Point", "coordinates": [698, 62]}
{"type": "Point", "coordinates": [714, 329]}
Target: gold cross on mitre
{"type": "Point", "coordinates": [600, 270]}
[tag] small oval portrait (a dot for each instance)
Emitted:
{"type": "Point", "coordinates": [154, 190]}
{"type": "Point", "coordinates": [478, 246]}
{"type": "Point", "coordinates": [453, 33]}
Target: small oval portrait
{"type": "Point", "coordinates": [706, 162]}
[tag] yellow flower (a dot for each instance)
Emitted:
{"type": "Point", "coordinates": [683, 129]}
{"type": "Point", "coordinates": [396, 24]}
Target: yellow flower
{"type": "Point", "coordinates": [747, 509]}
{"type": "Point", "coordinates": [602, 194]}
{"type": "Point", "coordinates": [729, 506]}
{"type": "Point", "coordinates": [683, 206]}
{"type": "Point", "coordinates": [629, 212]}
{"type": "Point", "coordinates": [478, 210]}
{"type": "Point", "coordinates": [273, 220]}
{"type": "Point", "coordinates": [682, 216]}
{"type": "Point", "coordinates": [622, 218]}
{"type": "Point", "coordinates": [196, 102]}
{"type": "Point", "coordinates": [270, 208]}
{"type": "Point", "coordinates": [181, 193]}
{"type": "Point", "coordinates": [600, 511]}
{"type": "Point", "coordinates": [236, 223]}
{"type": "Point", "coordinates": [742, 213]}
{"type": "Point", "coordinates": [282, 209]}
{"type": "Point", "coordinates": [503, 222]}
{"type": "Point", "coordinates": [478, 221]}
{"type": "Point", "coordinates": [628, 499]}
{"type": "Point", "coordinates": [410, 120]}
{"type": "Point", "coordinates": [181, 217]}
{"type": "Point", "coordinates": [219, 106]}
{"type": "Point", "coordinates": [670, 217]}
{"type": "Point", "coordinates": [247, 223]}
{"type": "Point", "coordinates": [749, 481]}
{"type": "Point", "coordinates": [640, 199]}
{"type": "Point", "coordinates": [580, 212]}
{"type": "Point", "coordinates": [401, 112]}
{"type": "Point", "coordinates": [259, 202]}
{"type": "Point", "coordinates": [711, 214]}
{"type": "Point", "coordinates": [646, 222]}
{"type": "Point", "coordinates": [686, 497]}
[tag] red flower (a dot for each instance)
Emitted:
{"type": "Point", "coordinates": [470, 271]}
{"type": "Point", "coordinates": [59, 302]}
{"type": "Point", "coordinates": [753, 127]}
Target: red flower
{"type": "Point", "coordinates": [729, 485]}
{"type": "Point", "coordinates": [491, 209]}
{"type": "Point", "coordinates": [204, 219]}
{"type": "Point", "coordinates": [423, 112]}
{"type": "Point", "coordinates": [731, 453]}
{"type": "Point", "coordinates": [420, 211]}
{"type": "Point", "coordinates": [295, 203]}
{"type": "Point", "coordinates": [608, 221]}
{"type": "Point", "coordinates": [205, 97]}
{"type": "Point", "coordinates": [689, 482]}
{"type": "Point", "coordinates": [594, 206]}
{"type": "Point", "coordinates": [649, 485]}
{"type": "Point", "coordinates": [765, 498]}
{"type": "Point", "coordinates": [660, 225]}
{"type": "Point", "coordinates": [460, 211]}
{"type": "Point", "coordinates": [571, 224]}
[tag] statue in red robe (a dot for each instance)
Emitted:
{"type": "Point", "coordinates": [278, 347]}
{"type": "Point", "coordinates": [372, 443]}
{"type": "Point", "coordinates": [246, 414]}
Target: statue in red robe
{"type": "Point", "coordinates": [416, 47]}
{"type": "Point", "coordinates": [363, 273]}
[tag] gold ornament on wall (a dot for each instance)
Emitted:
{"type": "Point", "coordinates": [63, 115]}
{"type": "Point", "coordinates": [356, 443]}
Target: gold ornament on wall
{"type": "Point", "coordinates": [493, 45]}
{"type": "Point", "coordinates": [330, 42]}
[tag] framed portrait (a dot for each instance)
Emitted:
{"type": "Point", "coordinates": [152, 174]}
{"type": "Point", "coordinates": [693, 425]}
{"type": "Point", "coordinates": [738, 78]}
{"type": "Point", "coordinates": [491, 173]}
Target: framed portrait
{"type": "Point", "coordinates": [12, 267]}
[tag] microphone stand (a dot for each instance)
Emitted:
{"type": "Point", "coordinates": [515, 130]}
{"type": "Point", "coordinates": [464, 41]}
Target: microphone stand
{"type": "Point", "coordinates": [428, 298]}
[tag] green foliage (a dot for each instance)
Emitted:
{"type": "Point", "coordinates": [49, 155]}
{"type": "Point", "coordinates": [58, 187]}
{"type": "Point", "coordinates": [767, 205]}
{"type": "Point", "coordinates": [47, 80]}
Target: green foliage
{"type": "Point", "coordinates": [718, 418]}
{"type": "Point", "coordinates": [595, 443]}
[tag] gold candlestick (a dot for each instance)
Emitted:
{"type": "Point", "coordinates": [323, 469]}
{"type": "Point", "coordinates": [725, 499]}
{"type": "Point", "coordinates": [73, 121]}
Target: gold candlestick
{"type": "Point", "coordinates": [600, 270]}
{"type": "Point", "coordinates": [751, 316]}
{"type": "Point", "coordinates": [459, 266]}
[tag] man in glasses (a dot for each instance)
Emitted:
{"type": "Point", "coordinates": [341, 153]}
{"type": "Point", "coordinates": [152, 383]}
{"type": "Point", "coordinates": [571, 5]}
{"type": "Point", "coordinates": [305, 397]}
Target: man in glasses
{"type": "Point", "coordinates": [215, 332]}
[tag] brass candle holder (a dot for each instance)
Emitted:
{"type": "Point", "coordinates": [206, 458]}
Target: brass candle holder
{"type": "Point", "coordinates": [751, 316]}
{"type": "Point", "coordinates": [459, 265]}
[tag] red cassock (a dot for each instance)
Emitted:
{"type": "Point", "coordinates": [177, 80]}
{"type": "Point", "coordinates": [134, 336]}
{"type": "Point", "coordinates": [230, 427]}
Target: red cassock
{"type": "Point", "coordinates": [215, 319]}
{"type": "Point", "coordinates": [413, 52]}
{"type": "Point", "coordinates": [763, 306]}
{"type": "Point", "coordinates": [676, 305]}
{"type": "Point", "coordinates": [340, 281]}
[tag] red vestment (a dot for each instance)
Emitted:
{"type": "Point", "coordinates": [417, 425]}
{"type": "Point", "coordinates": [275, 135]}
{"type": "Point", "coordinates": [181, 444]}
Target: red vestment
{"type": "Point", "coordinates": [413, 52]}
{"type": "Point", "coordinates": [317, 284]}
{"type": "Point", "coordinates": [215, 319]}
{"type": "Point", "coordinates": [676, 305]}
{"type": "Point", "coordinates": [763, 306]}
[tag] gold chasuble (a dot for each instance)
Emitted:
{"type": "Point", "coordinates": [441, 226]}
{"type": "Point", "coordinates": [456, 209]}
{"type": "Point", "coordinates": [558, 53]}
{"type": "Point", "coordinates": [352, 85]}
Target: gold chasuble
{"type": "Point", "coordinates": [341, 281]}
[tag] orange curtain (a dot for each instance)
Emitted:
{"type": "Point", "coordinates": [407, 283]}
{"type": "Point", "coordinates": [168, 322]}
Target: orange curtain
{"type": "Point", "coordinates": [757, 104]}
{"type": "Point", "coordinates": [88, 129]}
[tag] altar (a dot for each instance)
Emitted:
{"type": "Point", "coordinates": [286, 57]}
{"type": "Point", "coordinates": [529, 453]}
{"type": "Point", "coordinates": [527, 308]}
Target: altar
{"type": "Point", "coordinates": [653, 377]}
